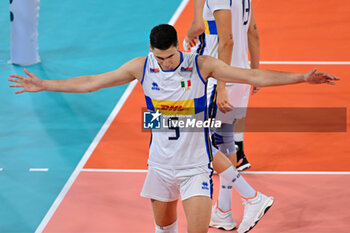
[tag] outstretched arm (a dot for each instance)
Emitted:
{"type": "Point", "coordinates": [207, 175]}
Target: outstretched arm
{"type": "Point", "coordinates": [88, 83]}
{"type": "Point", "coordinates": [211, 67]}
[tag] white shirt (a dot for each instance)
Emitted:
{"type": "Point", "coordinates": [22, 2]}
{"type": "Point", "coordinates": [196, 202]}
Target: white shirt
{"type": "Point", "coordinates": [179, 93]}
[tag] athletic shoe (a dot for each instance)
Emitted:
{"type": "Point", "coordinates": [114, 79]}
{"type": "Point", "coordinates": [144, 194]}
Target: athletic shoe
{"type": "Point", "coordinates": [242, 163]}
{"type": "Point", "coordinates": [254, 210]}
{"type": "Point", "coordinates": [222, 220]}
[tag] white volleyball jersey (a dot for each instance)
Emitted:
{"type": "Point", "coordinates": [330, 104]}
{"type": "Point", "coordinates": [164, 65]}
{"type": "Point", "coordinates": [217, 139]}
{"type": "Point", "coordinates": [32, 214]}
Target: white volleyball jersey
{"type": "Point", "coordinates": [177, 94]}
{"type": "Point", "coordinates": [208, 44]}
{"type": "Point", "coordinates": [241, 14]}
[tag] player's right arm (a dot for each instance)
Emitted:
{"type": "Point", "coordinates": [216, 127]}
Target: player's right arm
{"type": "Point", "coordinates": [197, 25]}
{"type": "Point", "coordinates": [87, 83]}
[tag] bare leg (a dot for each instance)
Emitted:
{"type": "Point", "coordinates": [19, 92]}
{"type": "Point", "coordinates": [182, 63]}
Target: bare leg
{"type": "Point", "coordinates": [165, 213]}
{"type": "Point", "coordinates": [239, 126]}
{"type": "Point", "coordinates": [233, 159]}
{"type": "Point", "coordinates": [198, 211]}
{"type": "Point", "coordinates": [221, 162]}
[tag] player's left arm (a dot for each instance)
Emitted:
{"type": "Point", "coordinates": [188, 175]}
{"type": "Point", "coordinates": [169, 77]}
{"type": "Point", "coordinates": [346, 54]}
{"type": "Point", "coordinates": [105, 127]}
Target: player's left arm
{"type": "Point", "coordinates": [253, 46]}
{"type": "Point", "coordinates": [253, 43]}
{"type": "Point", "coordinates": [223, 20]}
{"type": "Point", "coordinates": [211, 67]}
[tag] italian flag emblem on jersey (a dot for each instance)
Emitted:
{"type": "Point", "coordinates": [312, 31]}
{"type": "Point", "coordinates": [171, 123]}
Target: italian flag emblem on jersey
{"type": "Point", "coordinates": [186, 85]}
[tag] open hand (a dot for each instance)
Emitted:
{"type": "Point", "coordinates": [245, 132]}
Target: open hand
{"type": "Point", "coordinates": [30, 84]}
{"type": "Point", "coordinates": [314, 77]}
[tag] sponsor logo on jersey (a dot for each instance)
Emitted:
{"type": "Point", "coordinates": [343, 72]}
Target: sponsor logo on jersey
{"type": "Point", "coordinates": [155, 70]}
{"type": "Point", "coordinates": [181, 107]}
{"type": "Point", "coordinates": [177, 107]}
{"type": "Point", "coordinates": [155, 86]}
{"type": "Point", "coordinates": [205, 185]}
{"type": "Point", "coordinates": [186, 69]}
{"type": "Point", "coordinates": [172, 108]}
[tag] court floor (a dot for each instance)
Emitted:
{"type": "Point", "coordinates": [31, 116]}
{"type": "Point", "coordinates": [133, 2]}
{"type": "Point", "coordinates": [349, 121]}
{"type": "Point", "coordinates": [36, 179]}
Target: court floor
{"type": "Point", "coordinates": [96, 154]}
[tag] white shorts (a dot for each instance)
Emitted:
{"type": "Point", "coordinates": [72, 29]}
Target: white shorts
{"type": "Point", "coordinates": [169, 184]}
{"type": "Point", "coordinates": [238, 95]}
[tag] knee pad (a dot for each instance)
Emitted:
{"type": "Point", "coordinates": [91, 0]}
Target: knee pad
{"type": "Point", "coordinates": [172, 228]}
{"type": "Point", "coordinates": [224, 139]}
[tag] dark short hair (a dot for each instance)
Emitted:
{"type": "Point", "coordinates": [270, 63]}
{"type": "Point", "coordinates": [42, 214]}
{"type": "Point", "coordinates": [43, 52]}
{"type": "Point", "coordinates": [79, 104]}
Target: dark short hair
{"type": "Point", "coordinates": [163, 37]}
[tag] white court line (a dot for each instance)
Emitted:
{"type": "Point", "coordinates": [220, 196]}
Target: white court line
{"type": "Point", "coordinates": [1, 169]}
{"type": "Point", "coordinates": [113, 170]}
{"type": "Point", "coordinates": [96, 140]}
{"type": "Point", "coordinates": [86, 156]}
{"type": "Point", "coordinates": [295, 173]}
{"type": "Point", "coordinates": [178, 12]}
{"type": "Point", "coordinates": [246, 172]}
{"type": "Point", "coordinates": [305, 62]}
{"type": "Point", "coordinates": [38, 169]}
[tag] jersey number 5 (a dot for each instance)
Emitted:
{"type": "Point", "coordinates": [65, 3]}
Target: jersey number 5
{"type": "Point", "coordinates": [176, 128]}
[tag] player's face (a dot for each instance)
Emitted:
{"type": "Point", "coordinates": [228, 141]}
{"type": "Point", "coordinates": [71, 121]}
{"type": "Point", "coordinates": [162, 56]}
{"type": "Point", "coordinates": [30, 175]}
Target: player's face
{"type": "Point", "coordinates": [168, 59]}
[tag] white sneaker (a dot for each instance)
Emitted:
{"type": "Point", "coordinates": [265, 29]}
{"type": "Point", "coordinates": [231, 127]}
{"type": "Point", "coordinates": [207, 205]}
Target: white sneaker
{"type": "Point", "coordinates": [254, 210]}
{"type": "Point", "coordinates": [222, 220]}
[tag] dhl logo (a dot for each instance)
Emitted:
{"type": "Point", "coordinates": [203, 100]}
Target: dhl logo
{"type": "Point", "coordinates": [182, 107]}
{"type": "Point", "coordinates": [172, 107]}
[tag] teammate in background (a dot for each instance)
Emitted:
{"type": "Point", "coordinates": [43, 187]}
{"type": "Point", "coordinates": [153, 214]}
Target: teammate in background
{"type": "Point", "coordinates": [229, 31]}
{"type": "Point", "coordinates": [221, 18]}
{"type": "Point", "coordinates": [24, 16]}
{"type": "Point", "coordinates": [179, 160]}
